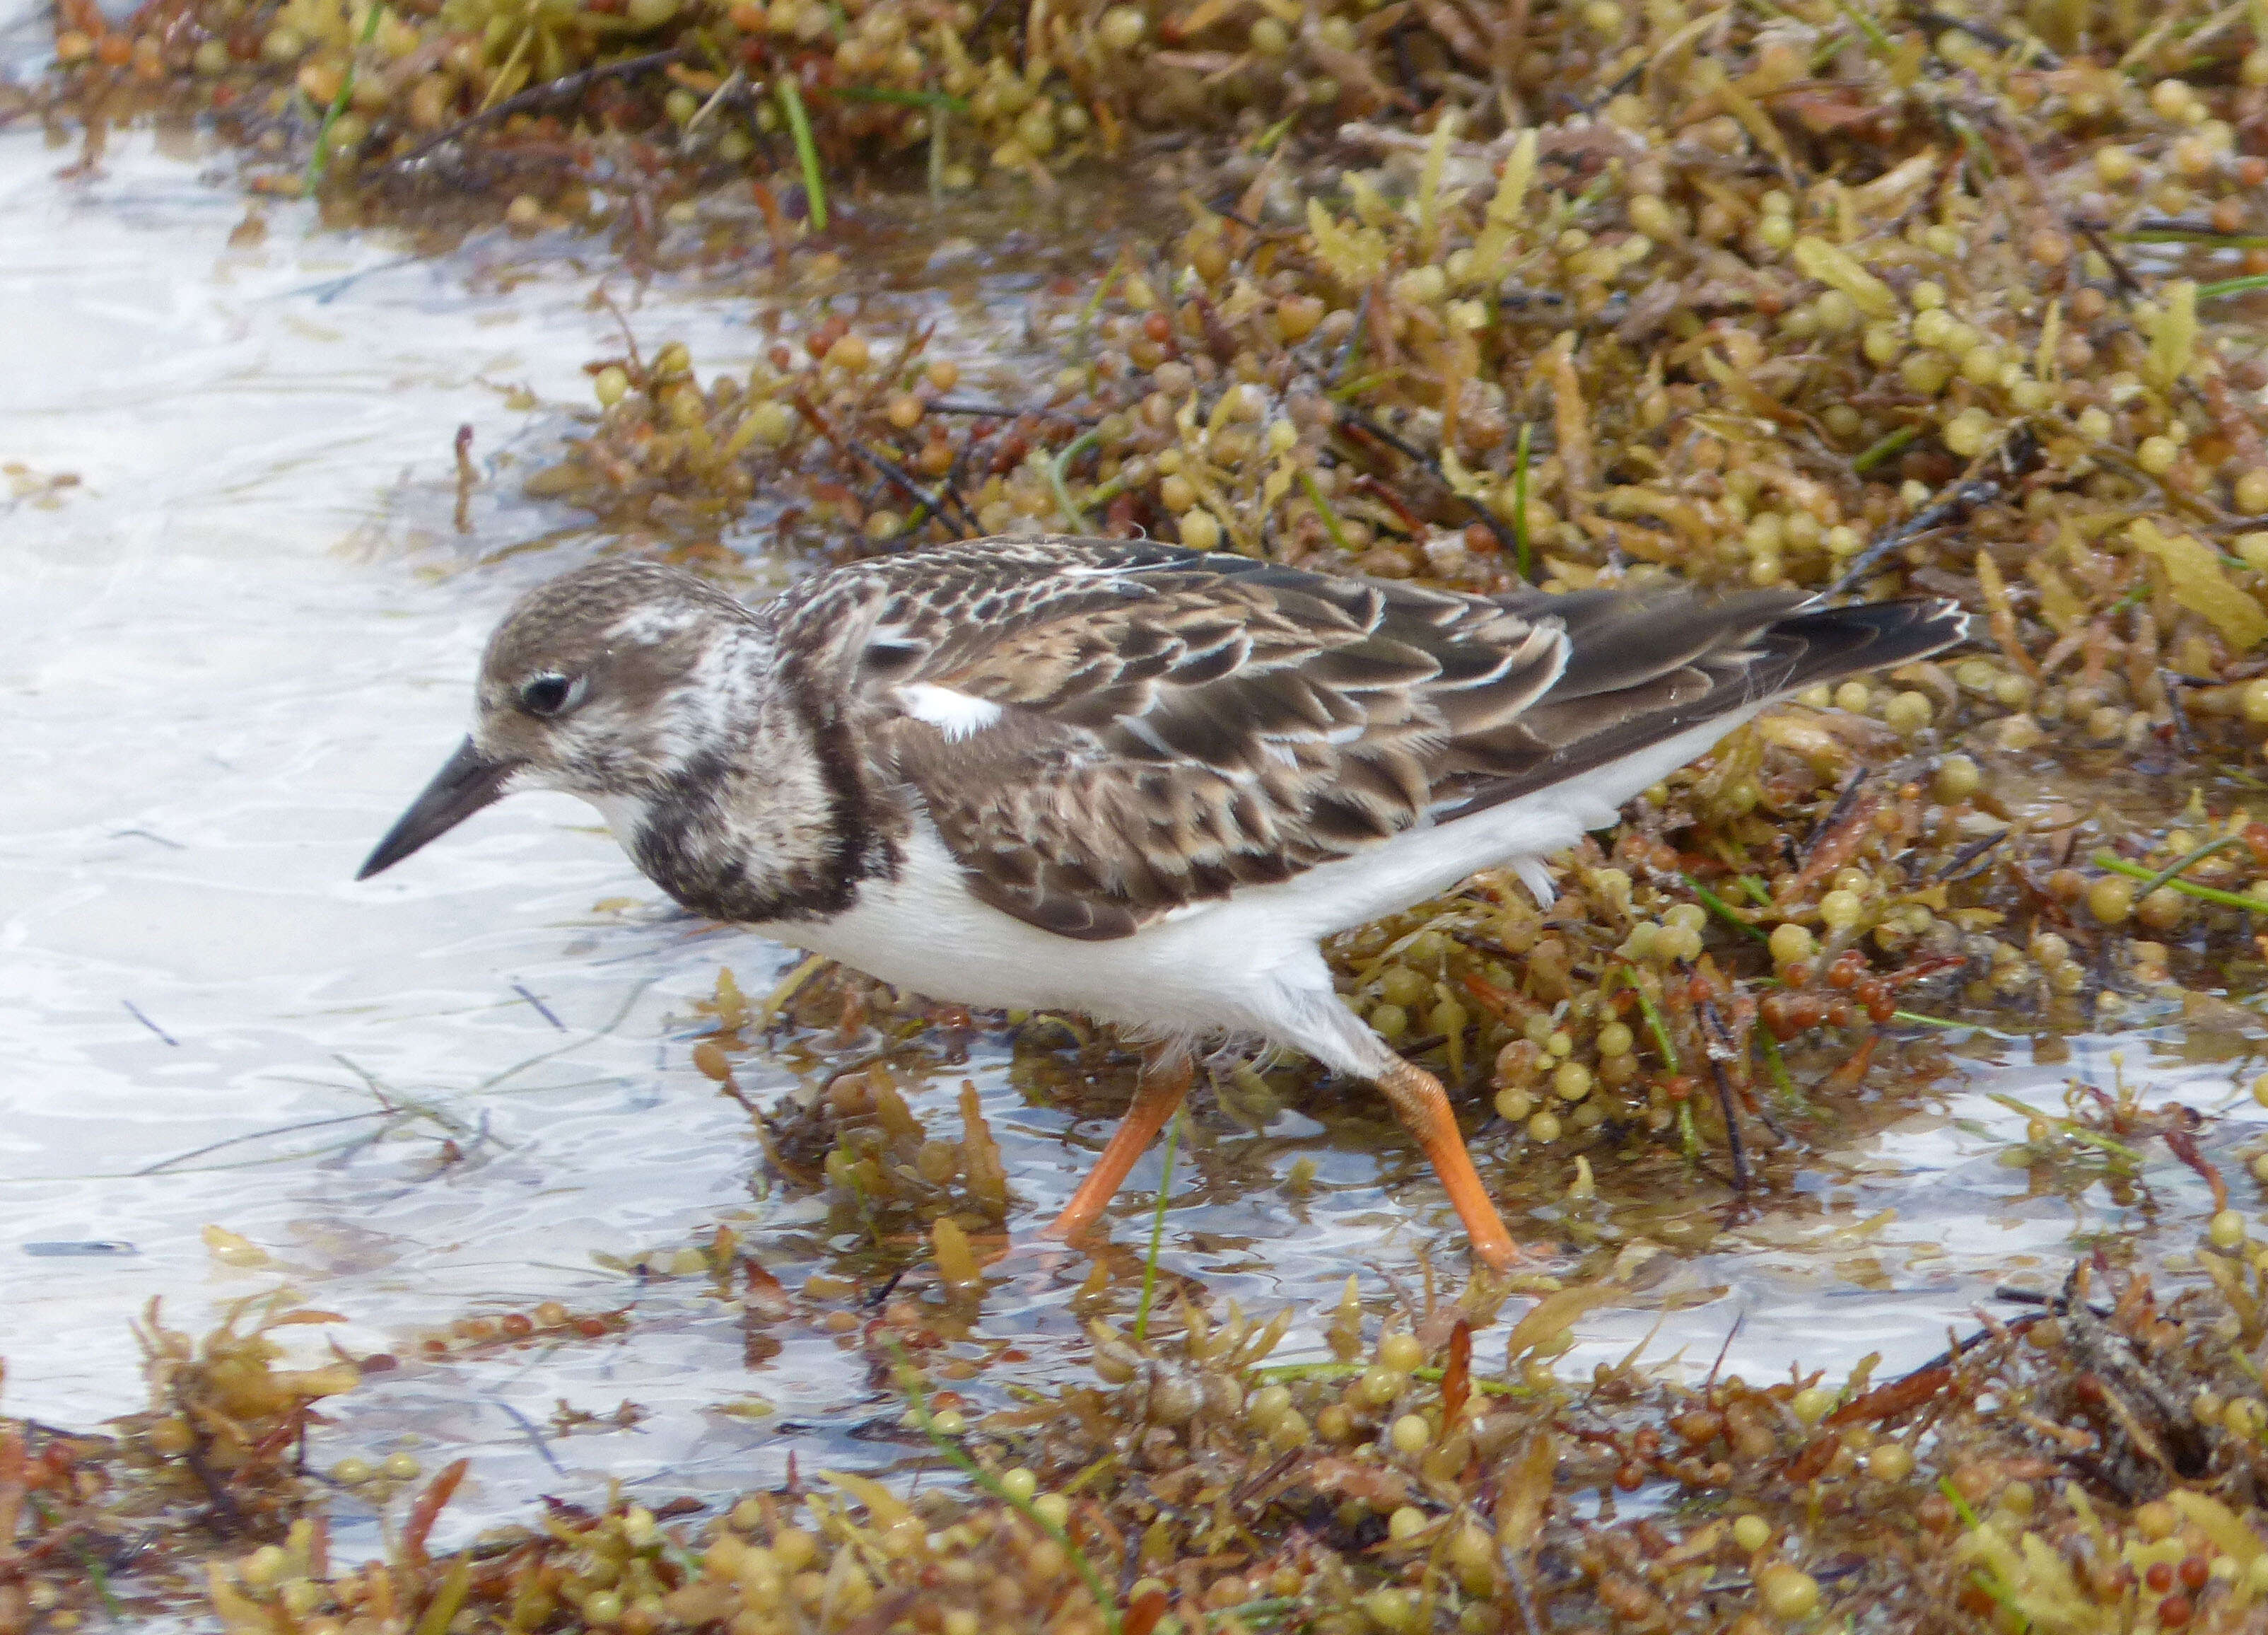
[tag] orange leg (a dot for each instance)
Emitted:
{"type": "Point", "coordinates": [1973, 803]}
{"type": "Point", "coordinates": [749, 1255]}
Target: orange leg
{"type": "Point", "coordinates": [1165, 1081]}
{"type": "Point", "coordinates": [1425, 1112]}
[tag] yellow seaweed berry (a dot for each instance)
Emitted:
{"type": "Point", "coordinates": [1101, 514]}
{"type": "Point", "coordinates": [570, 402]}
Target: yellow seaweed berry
{"type": "Point", "coordinates": [2162, 910]}
{"type": "Point", "coordinates": [1269, 1404]}
{"type": "Point", "coordinates": [1810, 1404]}
{"type": "Point", "coordinates": [1473, 1553]}
{"type": "Point", "coordinates": [1907, 713]}
{"type": "Point", "coordinates": [1392, 1609]}
{"type": "Point", "coordinates": [1122, 27]}
{"type": "Point", "coordinates": [1840, 909]}
{"type": "Point", "coordinates": [2110, 901]}
{"type": "Point", "coordinates": [1890, 1462]}
{"type": "Point", "coordinates": [1789, 1593]}
{"type": "Point", "coordinates": [1792, 943]}
{"type": "Point", "coordinates": [1401, 1352]}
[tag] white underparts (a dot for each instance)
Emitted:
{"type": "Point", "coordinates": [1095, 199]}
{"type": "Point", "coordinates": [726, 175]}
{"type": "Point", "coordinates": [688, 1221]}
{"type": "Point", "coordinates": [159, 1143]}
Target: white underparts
{"type": "Point", "coordinates": [1537, 878]}
{"type": "Point", "coordinates": [1245, 965]}
{"type": "Point", "coordinates": [956, 715]}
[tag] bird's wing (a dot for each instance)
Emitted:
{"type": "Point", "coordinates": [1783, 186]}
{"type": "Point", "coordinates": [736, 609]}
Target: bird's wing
{"type": "Point", "coordinates": [1106, 730]}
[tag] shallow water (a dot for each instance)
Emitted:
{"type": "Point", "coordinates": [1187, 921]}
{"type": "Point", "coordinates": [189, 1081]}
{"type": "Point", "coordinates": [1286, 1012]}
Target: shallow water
{"type": "Point", "coordinates": [239, 643]}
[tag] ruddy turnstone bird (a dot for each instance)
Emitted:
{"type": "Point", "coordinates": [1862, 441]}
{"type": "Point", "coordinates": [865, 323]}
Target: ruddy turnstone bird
{"type": "Point", "coordinates": [1121, 778]}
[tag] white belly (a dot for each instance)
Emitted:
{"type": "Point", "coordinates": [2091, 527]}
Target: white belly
{"type": "Point", "coordinates": [1248, 964]}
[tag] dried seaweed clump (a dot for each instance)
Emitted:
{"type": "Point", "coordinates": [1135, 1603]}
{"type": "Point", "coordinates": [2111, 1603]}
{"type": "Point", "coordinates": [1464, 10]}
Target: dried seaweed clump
{"type": "Point", "coordinates": [119, 1523]}
{"type": "Point", "coordinates": [2094, 1465]}
{"type": "Point", "coordinates": [550, 104]}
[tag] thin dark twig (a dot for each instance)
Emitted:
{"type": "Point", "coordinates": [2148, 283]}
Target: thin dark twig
{"type": "Point", "coordinates": [982, 17]}
{"type": "Point", "coordinates": [887, 468]}
{"type": "Point", "coordinates": [143, 834]}
{"type": "Point", "coordinates": [162, 1165]}
{"type": "Point", "coordinates": [951, 483]}
{"type": "Point", "coordinates": [227, 1516]}
{"type": "Point", "coordinates": [1969, 854]}
{"type": "Point", "coordinates": [2057, 1303]}
{"type": "Point", "coordinates": [536, 96]}
{"type": "Point", "coordinates": [2092, 232]}
{"type": "Point", "coordinates": [1835, 815]}
{"type": "Point", "coordinates": [541, 1009]}
{"type": "Point", "coordinates": [2183, 736]}
{"type": "Point", "coordinates": [1352, 344]}
{"type": "Point", "coordinates": [136, 1012]}
{"type": "Point", "coordinates": [899, 478]}
{"type": "Point", "coordinates": [1506, 540]}
{"type": "Point", "coordinates": [1259, 1481]}
{"type": "Point", "coordinates": [1957, 503]}
{"type": "Point", "coordinates": [1714, 1040]}
{"type": "Point", "coordinates": [1404, 70]}
{"type": "Point", "coordinates": [955, 406]}
{"type": "Point", "coordinates": [1393, 440]}
{"type": "Point", "coordinates": [1983, 35]}
{"type": "Point", "coordinates": [1740, 1322]}
{"type": "Point", "coordinates": [1960, 1348]}
{"type": "Point", "coordinates": [1629, 77]}
{"type": "Point", "coordinates": [1523, 1599]}
{"type": "Point", "coordinates": [531, 1430]}
{"type": "Point", "coordinates": [875, 1300]}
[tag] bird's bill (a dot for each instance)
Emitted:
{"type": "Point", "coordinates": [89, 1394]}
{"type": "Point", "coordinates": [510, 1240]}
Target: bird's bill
{"type": "Point", "coordinates": [468, 781]}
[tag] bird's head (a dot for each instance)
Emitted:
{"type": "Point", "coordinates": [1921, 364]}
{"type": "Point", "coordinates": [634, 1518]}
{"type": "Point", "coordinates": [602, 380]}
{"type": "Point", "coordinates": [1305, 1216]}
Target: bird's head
{"type": "Point", "coordinates": [610, 683]}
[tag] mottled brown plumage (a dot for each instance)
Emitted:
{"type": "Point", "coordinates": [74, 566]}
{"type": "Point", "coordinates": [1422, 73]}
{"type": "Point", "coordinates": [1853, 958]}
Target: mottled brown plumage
{"type": "Point", "coordinates": [1174, 727]}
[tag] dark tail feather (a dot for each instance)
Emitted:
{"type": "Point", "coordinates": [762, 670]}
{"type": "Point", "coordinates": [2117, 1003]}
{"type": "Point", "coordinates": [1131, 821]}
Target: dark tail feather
{"type": "Point", "coordinates": [1828, 643]}
{"type": "Point", "coordinates": [1622, 701]}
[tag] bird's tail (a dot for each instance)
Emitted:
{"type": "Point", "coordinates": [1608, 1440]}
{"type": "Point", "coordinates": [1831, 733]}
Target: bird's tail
{"type": "Point", "coordinates": [1828, 643]}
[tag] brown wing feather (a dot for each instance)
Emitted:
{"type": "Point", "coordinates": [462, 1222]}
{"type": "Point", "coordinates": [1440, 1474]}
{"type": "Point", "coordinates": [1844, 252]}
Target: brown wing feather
{"type": "Point", "coordinates": [1174, 725]}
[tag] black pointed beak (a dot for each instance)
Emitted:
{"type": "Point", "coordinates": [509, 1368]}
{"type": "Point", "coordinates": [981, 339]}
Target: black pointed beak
{"type": "Point", "coordinates": [469, 781]}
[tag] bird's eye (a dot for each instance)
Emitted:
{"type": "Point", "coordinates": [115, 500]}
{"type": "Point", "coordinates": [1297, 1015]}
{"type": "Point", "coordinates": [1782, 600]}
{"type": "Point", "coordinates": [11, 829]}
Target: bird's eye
{"type": "Point", "coordinates": [549, 695]}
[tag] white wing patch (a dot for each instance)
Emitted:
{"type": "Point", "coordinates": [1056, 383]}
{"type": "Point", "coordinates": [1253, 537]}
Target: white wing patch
{"type": "Point", "coordinates": [956, 715]}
